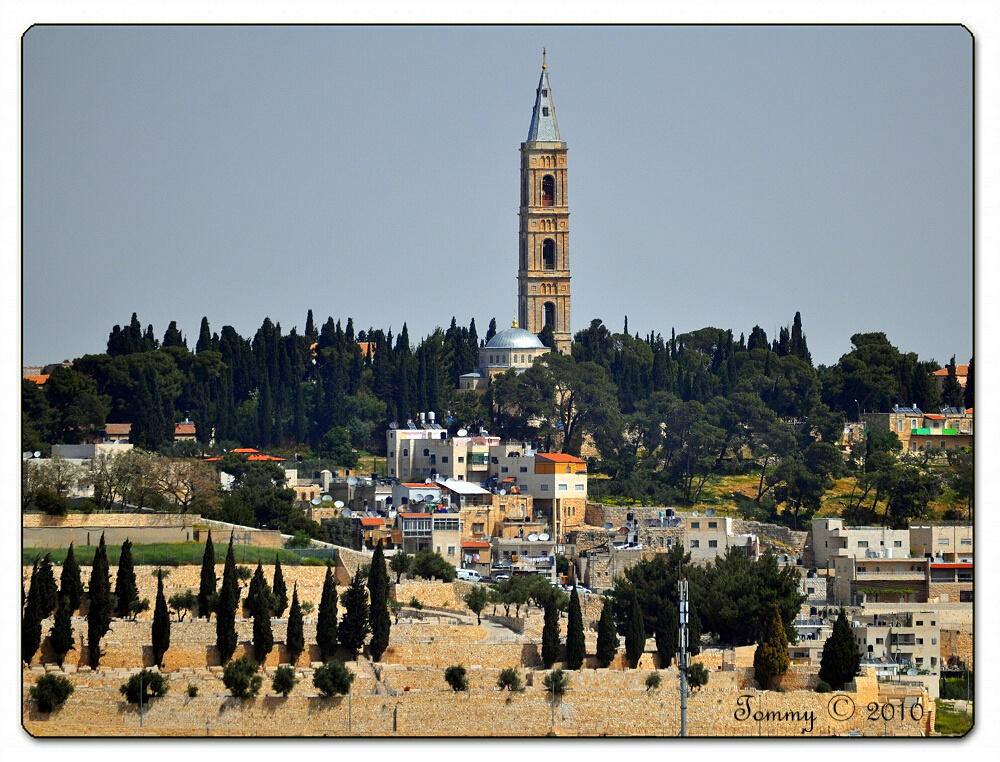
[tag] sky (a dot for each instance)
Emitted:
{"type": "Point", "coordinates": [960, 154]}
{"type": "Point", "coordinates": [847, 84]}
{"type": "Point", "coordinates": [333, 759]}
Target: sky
{"type": "Point", "coordinates": [722, 176]}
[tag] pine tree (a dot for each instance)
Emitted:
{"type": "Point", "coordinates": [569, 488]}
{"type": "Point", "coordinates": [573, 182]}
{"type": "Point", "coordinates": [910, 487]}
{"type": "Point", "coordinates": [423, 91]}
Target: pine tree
{"type": "Point", "coordinates": [326, 622]}
{"type": "Point", "coordinates": [225, 615]}
{"type": "Point", "coordinates": [576, 646]}
{"type": "Point", "coordinates": [263, 638]}
{"type": "Point", "coordinates": [841, 658]}
{"type": "Point", "coordinates": [378, 592]}
{"type": "Point", "coordinates": [770, 660]}
{"type": "Point", "coordinates": [161, 623]}
{"type": "Point", "coordinates": [61, 635]}
{"type": "Point", "coordinates": [607, 636]}
{"type": "Point", "coordinates": [99, 604]}
{"type": "Point", "coordinates": [294, 638]}
{"type": "Point", "coordinates": [69, 582]}
{"type": "Point", "coordinates": [126, 589]}
{"type": "Point", "coordinates": [354, 627]}
{"type": "Point", "coordinates": [48, 593]}
{"type": "Point", "coordinates": [551, 644]}
{"type": "Point", "coordinates": [207, 587]}
{"type": "Point", "coordinates": [635, 633]}
{"type": "Point", "coordinates": [278, 589]}
{"type": "Point", "coordinates": [31, 620]}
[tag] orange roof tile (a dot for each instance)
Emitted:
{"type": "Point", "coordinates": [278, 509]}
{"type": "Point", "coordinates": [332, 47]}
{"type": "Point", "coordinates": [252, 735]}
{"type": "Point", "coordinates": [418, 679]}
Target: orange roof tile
{"type": "Point", "coordinates": [559, 457]}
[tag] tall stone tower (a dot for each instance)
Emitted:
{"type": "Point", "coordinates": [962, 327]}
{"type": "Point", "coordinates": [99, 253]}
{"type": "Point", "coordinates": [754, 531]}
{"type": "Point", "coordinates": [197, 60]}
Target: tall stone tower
{"type": "Point", "coordinates": [543, 269]}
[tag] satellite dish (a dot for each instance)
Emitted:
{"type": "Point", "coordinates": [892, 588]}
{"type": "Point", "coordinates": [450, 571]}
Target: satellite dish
{"type": "Point", "coordinates": [394, 425]}
{"type": "Point", "coordinates": [315, 501]}
{"type": "Point", "coordinates": [710, 512]}
{"type": "Point", "coordinates": [543, 537]}
{"type": "Point", "coordinates": [339, 504]}
{"type": "Point", "coordinates": [532, 537]}
{"type": "Point", "coordinates": [352, 480]}
{"type": "Point", "coordinates": [463, 433]}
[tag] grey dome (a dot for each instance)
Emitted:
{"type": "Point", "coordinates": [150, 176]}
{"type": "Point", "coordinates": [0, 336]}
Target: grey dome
{"type": "Point", "coordinates": [515, 338]}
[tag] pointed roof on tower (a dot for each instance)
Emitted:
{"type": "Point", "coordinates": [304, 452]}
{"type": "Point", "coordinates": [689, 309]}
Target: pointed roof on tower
{"type": "Point", "coordinates": [543, 116]}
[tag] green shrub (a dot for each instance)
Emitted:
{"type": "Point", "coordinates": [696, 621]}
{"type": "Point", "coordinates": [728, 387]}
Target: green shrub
{"type": "Point", "coordinates": [50, 692]}
{"type": "Point", "coordinates": [241, 678]}
{"type": "Point", "coordinates": [510, 680]}
{"type": "Point", "coordinates": [145, 684]}
{"type": "Point", "coordinates": [284, 680]}
{"type": "Point", "coordinates": [333, 678]}
{"type": "Point", "coordinates": [455, 676]}
{"type": "Point", "coordinates": [697, 675]}
{"type": "Point", "coordinates": [653, 681]}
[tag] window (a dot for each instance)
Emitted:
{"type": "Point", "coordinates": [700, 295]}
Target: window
{"type": "Point", "coordinates": [713, 543]}
{"type": "Point", "coordinates": [713, 524]}
{"type": "Point", "coordinates": [548, 190]}
{"type": "Point", "coordinates": [694, 543]}
{"type": "Point", "coordinates": [696, 525]}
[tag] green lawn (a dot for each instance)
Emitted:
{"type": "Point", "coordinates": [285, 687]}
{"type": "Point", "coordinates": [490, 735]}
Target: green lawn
{"type": "Point", "coordinates": [948, 722]}
{"type": "Point", "coordinates": [168, 554]}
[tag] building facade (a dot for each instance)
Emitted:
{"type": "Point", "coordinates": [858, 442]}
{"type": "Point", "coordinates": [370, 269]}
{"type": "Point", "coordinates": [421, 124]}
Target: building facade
{"type": "Point", "coordinates": [543, 238]}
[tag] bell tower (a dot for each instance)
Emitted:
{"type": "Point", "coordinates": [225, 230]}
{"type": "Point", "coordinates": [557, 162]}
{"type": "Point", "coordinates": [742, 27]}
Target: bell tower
{"type": "Point", "coordinates": [543, 238]}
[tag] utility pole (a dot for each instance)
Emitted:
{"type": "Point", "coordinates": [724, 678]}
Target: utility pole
{"type": "Point", "coordinates": [682, 652]}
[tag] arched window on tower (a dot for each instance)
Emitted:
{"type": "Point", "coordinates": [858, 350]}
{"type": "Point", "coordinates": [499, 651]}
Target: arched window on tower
{"type": "Point", "coordinates": [548, 190]}
{"type": "Point", "coordinates": [550, 314]}
{"type": "Point", "coordinates": [549, 254]}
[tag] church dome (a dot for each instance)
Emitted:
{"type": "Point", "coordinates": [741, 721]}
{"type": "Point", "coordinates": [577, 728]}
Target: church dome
{"type": "Point", "coordinates": [515, 338]}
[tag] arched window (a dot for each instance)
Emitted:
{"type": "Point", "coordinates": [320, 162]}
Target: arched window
{"type": "Point", "coordinates": [548, 190]}
{"type": "Point", "coordinates": [549, 254]}
{"type": "Point", "coordinates": [550, 314]}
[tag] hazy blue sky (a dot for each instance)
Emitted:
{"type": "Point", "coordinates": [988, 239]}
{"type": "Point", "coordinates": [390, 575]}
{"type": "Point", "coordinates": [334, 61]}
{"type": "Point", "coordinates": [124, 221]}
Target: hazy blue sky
{"type": "Point", "coordinates": [723, 176]}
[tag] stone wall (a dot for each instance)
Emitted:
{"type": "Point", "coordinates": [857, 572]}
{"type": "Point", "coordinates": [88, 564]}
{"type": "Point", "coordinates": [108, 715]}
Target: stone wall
{"type": "Point", "coordinates": [599, 702]}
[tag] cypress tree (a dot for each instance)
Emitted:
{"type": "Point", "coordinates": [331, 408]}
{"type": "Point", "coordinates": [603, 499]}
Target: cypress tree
{"type": "Point", "coordinates": [770, 660]}
{"type": "Point", "coordinates": [635, 633]}
{"type": "Point", "coordinates": [61, 634]}
{"type": "Point", "coordinates": [278, 589]}
{"type": "Point", "coordinates": [607, 636]}
{"type": "Point", "coordinates": [841, 658]}
{"type": "Point", "coordinates": [31, 620]}
{"type": "Point", "coordinates": [576, 646]}
{"type": "Point", "coordinates": [225, 616]}
{"type": "Point", "coordinates": [354, 627]}
{"type": "Point", "coordinates": [378, 592]}
{"type": "Point", "coordinates": [99, 604]}
{"type": "Point", "coordinates": [550, 635]}
{"type": "Point", "coordinates": [326, 622]}
{"type": "Point", "coordinates": [69, 582]}
{"type": "Point", "coordinates": [126, 589]}
{"type": "Point", "coordinates": [161, 624]}
{"type": "Point", "coordinates": [207, 588]}
{"type": "Point", "coordinates": [263, 638]}
{"type": "Point", "coordinates": [48, 593]}
{"type": "Point", "coordinates": [294, 638]}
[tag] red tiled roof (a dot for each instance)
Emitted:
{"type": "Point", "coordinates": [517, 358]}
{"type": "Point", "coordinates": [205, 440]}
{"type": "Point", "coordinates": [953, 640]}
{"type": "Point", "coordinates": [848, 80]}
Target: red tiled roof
{"type": "Point", "coordinates": [475, 544]}
{"type": "Point", "coordinates": [558, 457]}
{"type": "Point", "coordinates": [40, 380]}
{"type": "Point", "coordinates": [368, 521]}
